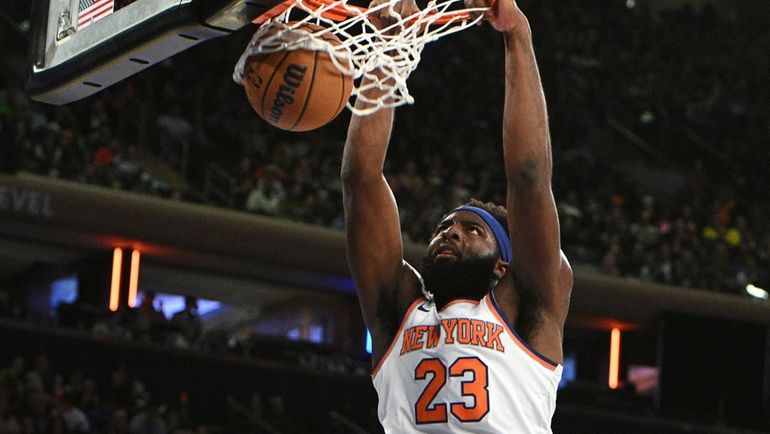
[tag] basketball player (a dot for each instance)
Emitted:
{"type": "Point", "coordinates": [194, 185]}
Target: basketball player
{"type": "Point", "coordinates": [476, 346]}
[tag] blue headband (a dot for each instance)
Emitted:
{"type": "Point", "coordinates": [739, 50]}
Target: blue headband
{"type": "Point", "coordinates": [501, 236]}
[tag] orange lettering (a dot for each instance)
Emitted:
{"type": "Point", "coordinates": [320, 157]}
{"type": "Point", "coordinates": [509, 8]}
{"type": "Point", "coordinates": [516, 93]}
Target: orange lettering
{"type": "Point", "coordinates": [418, 332]}
{"type": "Point", "coordinates": [464, 331]}
{"type": "Point", "coordinates": [408, 339]}
{"type": "Point", "coordinates": [493, 337]}
{"type": "Point", "coordinates": [449, 326]}
{"type": "Point", "coordinates": [479, 330]}
{"type": "Point", "coordinates": [434, 336]}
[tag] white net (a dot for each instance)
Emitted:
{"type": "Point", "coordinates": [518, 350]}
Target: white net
{"type": "Point", "coordinates": [376, 58]}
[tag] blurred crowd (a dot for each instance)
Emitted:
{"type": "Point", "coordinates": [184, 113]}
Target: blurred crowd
{"type": "Point", "coordinates": [39, 395]}
{"type": "Point", "coordinates": [184, 329]}
{"type": "Point", "coordinates": [36, 398]}
{"type": "Point", "coordinates": [659, 138]}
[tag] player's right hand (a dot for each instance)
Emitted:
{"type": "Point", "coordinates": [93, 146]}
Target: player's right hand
{"type": "Point", "coordinates": [387, 16]}
{"type": "Point", "coordinates": [503, 15]}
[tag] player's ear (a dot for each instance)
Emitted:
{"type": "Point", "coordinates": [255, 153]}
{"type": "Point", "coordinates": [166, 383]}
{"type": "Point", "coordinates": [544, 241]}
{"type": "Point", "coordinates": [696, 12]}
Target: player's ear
{"type": "Point", "coordinates": [500, 268]}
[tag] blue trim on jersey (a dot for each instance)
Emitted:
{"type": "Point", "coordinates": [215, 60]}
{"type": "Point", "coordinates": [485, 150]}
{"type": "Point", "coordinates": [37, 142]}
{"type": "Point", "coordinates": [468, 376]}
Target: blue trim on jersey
{"type": "Point", "coordinates": [513, 329]}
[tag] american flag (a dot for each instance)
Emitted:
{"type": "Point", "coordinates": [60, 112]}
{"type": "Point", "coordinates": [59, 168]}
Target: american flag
{"type": "Point", "coordinates": [91, 11]}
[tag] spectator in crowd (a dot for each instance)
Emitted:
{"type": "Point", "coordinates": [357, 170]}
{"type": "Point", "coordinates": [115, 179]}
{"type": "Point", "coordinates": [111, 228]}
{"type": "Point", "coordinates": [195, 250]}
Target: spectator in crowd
{"type": "Point", "coordinates": [118, 423]}
{"type": "Point", "coordinates": [267, 196]}
{"type": "Point", "coordinates": [41, 377]}
{"type": "Point", "coordinates": [9, 424]}
{"type": "Point", "coordinates": [103, 160]}
{"type": "Point", "coordinates": [149, 419]}
{"type": "Point", "coordinates": [74, 419]}
{"type": "Point", "coordinates": [119, 391]}
{"type": "Point", "coordinates": [187, 323]}
{"type": "Point", "coordinates": [149, 322]}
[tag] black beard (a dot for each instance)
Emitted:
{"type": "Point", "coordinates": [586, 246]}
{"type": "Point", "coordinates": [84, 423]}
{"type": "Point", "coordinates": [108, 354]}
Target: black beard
{"type": "Point", "coordinates": [467, 278]}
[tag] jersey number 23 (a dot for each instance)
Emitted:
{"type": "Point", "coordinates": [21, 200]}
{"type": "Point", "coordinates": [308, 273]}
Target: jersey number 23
{"type": "Point", "coordinates": [476, 387]}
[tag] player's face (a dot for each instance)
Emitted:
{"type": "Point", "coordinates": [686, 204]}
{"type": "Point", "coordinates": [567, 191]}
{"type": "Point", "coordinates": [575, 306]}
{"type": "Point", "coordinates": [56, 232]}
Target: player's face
{"type": "Point", "coordinates": [462, 258]}
{"type": "Point", "coordinates": [461, 235]}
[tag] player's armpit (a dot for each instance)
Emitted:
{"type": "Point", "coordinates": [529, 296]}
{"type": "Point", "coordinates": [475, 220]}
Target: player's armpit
{"type": "Point", "coordinates": [390, 309]}
{"type": "Point", "coordinates": [548, 337]}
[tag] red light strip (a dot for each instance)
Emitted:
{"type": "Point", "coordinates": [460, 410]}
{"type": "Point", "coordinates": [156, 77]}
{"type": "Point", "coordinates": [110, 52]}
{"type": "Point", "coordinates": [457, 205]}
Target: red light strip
{"type": "Point", "coordinates": [614, 377]}
{"type": "Point", "coordinates": [117, 261]}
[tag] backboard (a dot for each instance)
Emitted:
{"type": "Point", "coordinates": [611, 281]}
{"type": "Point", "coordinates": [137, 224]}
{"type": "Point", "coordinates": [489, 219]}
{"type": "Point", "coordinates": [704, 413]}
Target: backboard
{"type": "Point", "coordinates": [80, 47]}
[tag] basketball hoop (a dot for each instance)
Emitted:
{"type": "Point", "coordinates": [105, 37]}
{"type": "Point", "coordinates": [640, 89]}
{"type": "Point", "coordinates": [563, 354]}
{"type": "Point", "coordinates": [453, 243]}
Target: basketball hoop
{"type": "Point", "coordinates": [376, 58]}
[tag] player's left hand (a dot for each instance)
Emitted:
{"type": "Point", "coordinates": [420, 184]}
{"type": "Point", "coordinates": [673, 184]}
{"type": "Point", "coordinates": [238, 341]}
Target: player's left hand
{"type": "Point", "coordinates": [503, 15]}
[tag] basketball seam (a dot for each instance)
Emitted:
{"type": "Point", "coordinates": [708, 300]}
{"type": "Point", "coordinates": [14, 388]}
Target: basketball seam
{"type": "Point", "coordinates": [309, 91]}
{"type": "Point", "coordinates": [267, 86]}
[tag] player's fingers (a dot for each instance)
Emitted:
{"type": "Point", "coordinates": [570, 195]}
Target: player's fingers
{"type": "Point", "coordinates": [386, 13]}
{"type": "Point", "coordinates": [374, 16]}
{"type": "Point", "coordinates": [381, 12]}
{"type": "Point", "coordinates": [481, 4]}
{"type": "Point", "coordinates": [376, 4]}
{"type": "Point", "coordinates": [491, 10]}
{"type": "Point", "coordinates": [407, 8]}
{"type": "Point", "coordinates": [490, 14]}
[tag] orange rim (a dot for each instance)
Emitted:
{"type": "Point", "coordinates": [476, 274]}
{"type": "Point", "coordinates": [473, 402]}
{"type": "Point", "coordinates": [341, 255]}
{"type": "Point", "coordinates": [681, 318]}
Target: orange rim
{"type": "Point", "coordinates": [340, 13]}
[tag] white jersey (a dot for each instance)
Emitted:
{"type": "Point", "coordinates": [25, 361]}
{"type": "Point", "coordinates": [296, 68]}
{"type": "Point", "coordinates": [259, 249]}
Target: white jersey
{"type": "Point", "coordinates": [463, 369]}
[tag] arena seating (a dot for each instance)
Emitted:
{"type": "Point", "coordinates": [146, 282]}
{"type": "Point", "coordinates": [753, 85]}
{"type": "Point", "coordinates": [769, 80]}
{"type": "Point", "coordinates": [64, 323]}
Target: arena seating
{"type": "Point", "coordinates": [701, 227]}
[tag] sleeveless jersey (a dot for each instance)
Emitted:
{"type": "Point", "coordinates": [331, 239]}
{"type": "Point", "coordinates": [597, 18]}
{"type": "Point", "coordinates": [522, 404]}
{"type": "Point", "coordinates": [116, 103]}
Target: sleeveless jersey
{"type": "Point", "coordinates": [463, 369]}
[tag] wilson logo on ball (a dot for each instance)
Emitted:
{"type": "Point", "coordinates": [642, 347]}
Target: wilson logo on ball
{"type": "Point", "coordinates": [292, 79]}
{"type": "Point", "coordinates": [300, 89]}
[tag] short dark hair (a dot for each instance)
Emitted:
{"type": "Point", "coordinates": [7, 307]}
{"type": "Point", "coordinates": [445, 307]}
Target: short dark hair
{"type": "Point", "coordinates": [498, 211]}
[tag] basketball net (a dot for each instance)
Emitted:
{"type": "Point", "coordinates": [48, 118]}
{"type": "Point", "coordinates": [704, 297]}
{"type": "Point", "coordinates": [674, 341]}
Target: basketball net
{"type": "Point", "coordinates": [377, 59]}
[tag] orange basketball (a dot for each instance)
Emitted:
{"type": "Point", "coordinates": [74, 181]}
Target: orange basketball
{"type": "Point", "coordinates": [298, 90]}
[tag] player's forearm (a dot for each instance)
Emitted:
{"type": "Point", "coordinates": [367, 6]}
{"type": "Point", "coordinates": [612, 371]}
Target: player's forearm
{"type": "Point", "coordinates": [526, 140]}
{"type": "Point", "coordinates": [366, 145]}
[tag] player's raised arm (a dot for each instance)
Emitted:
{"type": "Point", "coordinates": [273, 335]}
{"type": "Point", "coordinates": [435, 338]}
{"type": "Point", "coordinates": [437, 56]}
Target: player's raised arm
{"type": "Point", "coordinates": [538, 264]}
{"type": "Point", "coordinates": [375, 249]}
{"type": "Point", "coordinates": [386, 285]}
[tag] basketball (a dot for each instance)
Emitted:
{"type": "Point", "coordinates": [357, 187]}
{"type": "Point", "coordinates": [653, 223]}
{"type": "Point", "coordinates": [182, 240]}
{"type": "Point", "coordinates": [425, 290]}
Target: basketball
{"type": "Point", "coordinates": [297, 90]}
